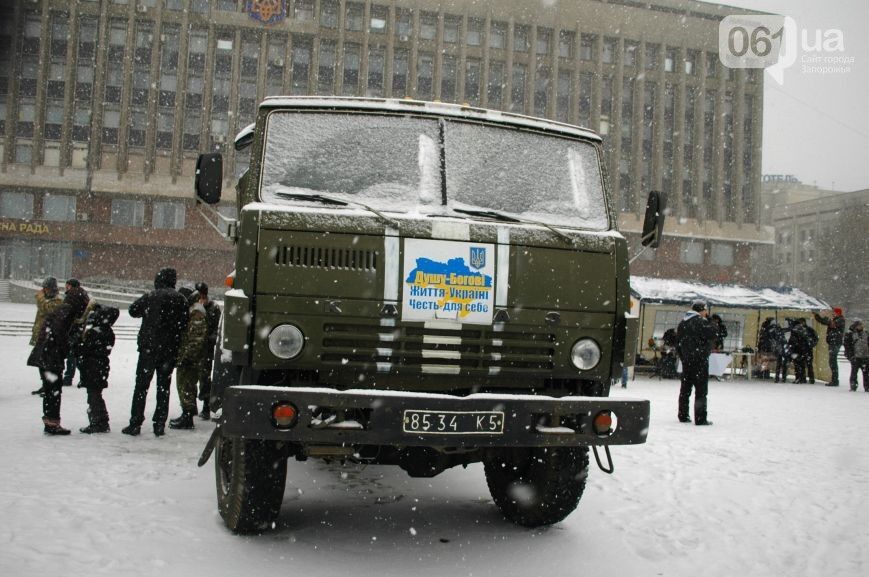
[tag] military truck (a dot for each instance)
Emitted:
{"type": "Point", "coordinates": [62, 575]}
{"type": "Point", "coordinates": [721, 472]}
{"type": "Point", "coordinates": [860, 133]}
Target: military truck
{"type": "Point", "coordinates": [423, 285]}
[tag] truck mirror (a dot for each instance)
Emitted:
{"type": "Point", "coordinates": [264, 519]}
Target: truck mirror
{"type": "Point", "coordinates": [653, 223]}
{"type": "Point", "coordinates": [209, 177]}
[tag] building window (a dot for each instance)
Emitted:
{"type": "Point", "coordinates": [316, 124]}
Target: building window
{"type": "Point", "coordinates": [354, 16]}
{"type": "Point", "coordinates": [403, 23]}
{"type": "Point", "coordinates": [517, 94]}
{"type": "Point", "coordinates": [428, 26]}
{"type": "Point", "coordinates": [301, 64]}
{"type": "Point", "coordinates": [473, 76]}
{"type": "Point", "coordinates": [449, 72]}
{"type": "Point", "coordinates": [609, 51]}
{"type": "Point", "coordinates": [376, 65]}
{"type": "Point", "coordinates": [127, 212]}
{"type": "Point", "coordinates": [670, 59]}
{"type": "Point", "coordinates": [587, 47]}
{"type": "Point", "coordinates": [498, 35]}
{"type": "Point", "coordinates": [452, 29]}
{"type": "Point", "coordinates": [379, 18]}
{"type": "Point", "coordinates": [303, 9]}
{"type": "Point", "coordinates": [542, 89]}
{"type": "Point", "coordinates": [692, 252]}
{"type": "Point", "coordinates": [495, 89]}
{"type": "Point", "coordinates": [58, 207]}
{"type": "Point", "coordinates": [400, 66]}
{"type": "Point", "coordinates": [566, 41]}
{"type": "Point", "coordinates": [544, 40]}
{"type": "Point", "coordinates": [350, 86]}
{"type": "Point", "coordinates": [630, 56]}
{"type": "Point", "coordinates": [711, 64]}
{"type": "Point", "coordinates": [474, 36]}
{"type": "Point", "coordinates": [111, 124]}
{"type": "Point", "coordinates": [562, 96]}
{"type": "Point", "coordinates": [520, 38]}
{"type": "Point", "coordinates": [425, 73]}
{"type": "Point", "coordinates": [16, 205]}
{"type": "Point", "coordinates": [652, 56]}
{"type": "Point", "coordinates": [329, 13]}
{"type": "Point", "coordinates": [168, 215]}
{"type": "Point", "coordinates": [721, 254]}
{"type": "Point", "coordinates": [326, 68]}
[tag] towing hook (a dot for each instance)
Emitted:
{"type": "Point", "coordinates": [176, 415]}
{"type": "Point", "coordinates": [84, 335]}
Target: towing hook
{"type": "Point", "coordinates": [611, 466]}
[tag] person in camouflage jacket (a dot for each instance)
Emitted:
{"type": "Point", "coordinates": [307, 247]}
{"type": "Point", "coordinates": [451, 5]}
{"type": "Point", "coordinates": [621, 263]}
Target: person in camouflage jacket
{"type": "Point", "coordinates": [191, 357]}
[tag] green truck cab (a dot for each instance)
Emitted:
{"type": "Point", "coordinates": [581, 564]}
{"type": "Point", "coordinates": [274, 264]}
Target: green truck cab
{"type": "Point", "coordinates": [423, 285]}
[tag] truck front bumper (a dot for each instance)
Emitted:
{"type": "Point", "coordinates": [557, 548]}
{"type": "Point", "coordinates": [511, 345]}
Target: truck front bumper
{"type": "Point", "coordinates": [521, 420]}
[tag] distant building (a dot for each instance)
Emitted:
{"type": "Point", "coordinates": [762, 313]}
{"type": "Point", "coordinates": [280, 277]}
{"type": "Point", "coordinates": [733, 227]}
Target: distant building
{"type": "Point", "coordinates": [819, 242]}
{"type": "Point", "coordinates": [103, 110]}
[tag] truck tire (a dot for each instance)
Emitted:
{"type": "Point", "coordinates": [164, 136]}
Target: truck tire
{"type": "Point", "coordinates": [537, 486]}
{"type": "Point", "coordinates": [250, 479]}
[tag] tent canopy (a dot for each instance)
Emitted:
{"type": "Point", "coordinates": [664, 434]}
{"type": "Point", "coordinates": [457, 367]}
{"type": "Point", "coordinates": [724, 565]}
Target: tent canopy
{"type": "Point", "coordinates": [669, 291]}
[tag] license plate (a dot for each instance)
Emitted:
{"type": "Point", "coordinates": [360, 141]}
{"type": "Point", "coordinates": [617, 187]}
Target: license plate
{"type": "Point", "coordinates": [453, 422]}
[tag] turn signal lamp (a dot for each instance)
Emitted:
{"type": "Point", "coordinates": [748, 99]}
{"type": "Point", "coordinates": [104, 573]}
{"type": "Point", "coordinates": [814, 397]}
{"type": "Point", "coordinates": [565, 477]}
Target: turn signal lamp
{"type": "Point", "coordinates": [284, 415]}
{"type": "Point", "coordinates": [603, 423]}
{"type": "Point", "coordinates": [229, 280]}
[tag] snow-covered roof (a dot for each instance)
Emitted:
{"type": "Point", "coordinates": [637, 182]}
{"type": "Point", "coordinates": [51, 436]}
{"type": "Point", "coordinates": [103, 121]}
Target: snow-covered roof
{"type": "Point", "coordinates": [406, 105]}
{"type": "Point", "coordinates": [670, 291]}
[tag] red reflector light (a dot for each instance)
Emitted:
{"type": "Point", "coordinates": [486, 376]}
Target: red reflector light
{"type": "Point", "coordinates": [603, 423]}
{"type": "Point", "coordinates": [229, 280]}
{"type": "Point", "coordinates": [284, 415]}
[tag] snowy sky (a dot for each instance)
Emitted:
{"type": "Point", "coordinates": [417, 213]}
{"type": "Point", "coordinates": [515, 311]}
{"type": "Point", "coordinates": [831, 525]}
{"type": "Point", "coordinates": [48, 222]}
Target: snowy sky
{"type": "Point", "coordinates": [816, 127]}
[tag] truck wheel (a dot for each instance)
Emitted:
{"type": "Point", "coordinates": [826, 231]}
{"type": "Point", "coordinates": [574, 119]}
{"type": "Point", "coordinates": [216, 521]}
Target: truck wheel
{"type": "Point", "coordinates": [250, 483]}
{"type": "Point", "coordinates": [537, 486]}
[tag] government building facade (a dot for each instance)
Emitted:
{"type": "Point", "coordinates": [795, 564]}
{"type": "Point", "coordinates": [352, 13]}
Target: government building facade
{"type": "Point", "coordinates": [105, 105]}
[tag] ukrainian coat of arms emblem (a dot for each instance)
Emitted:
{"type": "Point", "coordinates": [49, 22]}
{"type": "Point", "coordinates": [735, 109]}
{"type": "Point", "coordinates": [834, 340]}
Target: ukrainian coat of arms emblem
{"type": "Point", "coordinates": [267, 11]}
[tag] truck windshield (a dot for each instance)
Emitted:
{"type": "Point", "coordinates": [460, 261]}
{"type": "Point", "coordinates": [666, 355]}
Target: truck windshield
{"type": "Point", "coordinates": [393, 164]}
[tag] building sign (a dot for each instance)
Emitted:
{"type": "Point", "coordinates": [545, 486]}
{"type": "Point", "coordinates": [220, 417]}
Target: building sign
{"type": "Point", "coordinates": [449, 281]}
{"type": "Point", "coordinates": [789, 178]}
{"type": "Point", "coordinates": [266, 11]}
{"type": "Point", "coordinates": [23, 227]}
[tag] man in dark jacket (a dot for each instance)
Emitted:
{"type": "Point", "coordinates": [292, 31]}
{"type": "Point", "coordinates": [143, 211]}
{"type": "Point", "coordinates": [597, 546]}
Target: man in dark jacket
{"type": "Point", "coordinates": [835, 335]}
{"type": "Point", "coordinates": [695, 338]}
{"type": "Point", "coordinates": [164, 318]}
{"type": "Point", "coordinates": [50, 352]}
{"type": "Point", "coordinates": [798, 343]}
{"type": "Point", "coordinates": [92, 352]}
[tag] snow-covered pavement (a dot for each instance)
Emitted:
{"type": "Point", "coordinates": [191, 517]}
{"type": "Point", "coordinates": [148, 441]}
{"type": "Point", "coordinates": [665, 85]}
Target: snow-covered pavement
{"type": "Point", "coordinates": [779, 486]}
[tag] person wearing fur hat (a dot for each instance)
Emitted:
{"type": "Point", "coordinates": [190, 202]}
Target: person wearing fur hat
{"type": "Point", "coordinates": [835, 336]}
{"type": "Point", "coordinates": [47, 300]}
{"type": "Point", "coordinates": [695, 338]}
{"type": "Point", "coordinates": [92, 352]}
{"type": "Point", "coordinates": [164, 318]}
{"type": "Point", "coordinates": [49, 355]}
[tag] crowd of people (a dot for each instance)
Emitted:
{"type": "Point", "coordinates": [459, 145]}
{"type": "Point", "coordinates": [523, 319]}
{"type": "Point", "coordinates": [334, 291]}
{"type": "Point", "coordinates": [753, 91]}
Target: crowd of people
{"type": "Point", "coordinates": [698, 335]}
{"type": "Point", "coordinates": [178, 332]}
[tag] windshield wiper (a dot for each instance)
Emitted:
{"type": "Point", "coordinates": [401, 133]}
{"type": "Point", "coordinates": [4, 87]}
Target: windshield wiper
{"type": "Point", "coordinates": [494, 214]}
{"type": "Point", "coordinates": [335, 201]}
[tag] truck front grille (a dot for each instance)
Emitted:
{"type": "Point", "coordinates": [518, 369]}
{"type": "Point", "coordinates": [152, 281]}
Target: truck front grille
{"type": "Point", "coordinates": [437, 350]}
{"type": "Point", "coordinates": [325, 257]}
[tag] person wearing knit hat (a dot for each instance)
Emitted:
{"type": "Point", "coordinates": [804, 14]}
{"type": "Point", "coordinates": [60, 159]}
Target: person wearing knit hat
{"type": "Point", "coordinates": [835, 335]}
{"type": "Point", "coordinates": [857, 352]}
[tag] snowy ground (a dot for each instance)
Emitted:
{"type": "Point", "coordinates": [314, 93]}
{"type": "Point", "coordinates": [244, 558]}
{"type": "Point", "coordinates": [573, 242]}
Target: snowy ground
{"type": "Point", "coordinates": [779, 486]}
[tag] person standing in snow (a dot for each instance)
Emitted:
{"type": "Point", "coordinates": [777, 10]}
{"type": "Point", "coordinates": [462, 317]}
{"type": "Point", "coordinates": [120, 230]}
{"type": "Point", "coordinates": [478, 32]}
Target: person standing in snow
{"type": "Point", "coordinates": [46, 301]}
{"type": "Point", "coordinates": [857, 351]}
{"type": "Point", "coordinates": [191, 356]}
{"type": "Point", "coordinates": [782, 352]}
{"type": "Point", "coordinates": [798, 344]}
{"type": "Point", "coordinates": [720, 333]}
{"type": "Point", "coordinates": [75, 336]}
{"type": "Point", "coordinates": [49, 355]}
{"type": "Point", "coordinates": [835, 335]}
{"type": "Point", "coordinates": [164, 318]}
{"type": "Point", "coordinates": [92, 352]}
{"type": "Point", "coordinates": [212, 321]}
{"type": "Point", "coordinates": [809, 357]}
{"type": "Point", "coordinates": [696, 336]}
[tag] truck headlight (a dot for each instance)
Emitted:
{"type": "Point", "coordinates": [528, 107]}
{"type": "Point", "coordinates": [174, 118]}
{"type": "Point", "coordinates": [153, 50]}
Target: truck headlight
{"type": "Point", "coordinates": [286, 341]}
{"type": "Point", "coordinates": [585, 354]}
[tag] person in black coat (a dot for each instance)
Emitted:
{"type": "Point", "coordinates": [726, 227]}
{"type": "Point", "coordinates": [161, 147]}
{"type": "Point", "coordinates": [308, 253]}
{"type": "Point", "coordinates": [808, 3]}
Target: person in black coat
{"type": "Point", "coordinates": [164, 318]}
{"type": "Point", "coordinates": [696, 336]}
{"type": "Point", "coordinates": [835, 336]}
{"type": "Point", "coordinates": [50, 352]}
{"type": "Point", "coordinates": [798, 343]}
{"type": "Point", "coordinates": [92, 352]}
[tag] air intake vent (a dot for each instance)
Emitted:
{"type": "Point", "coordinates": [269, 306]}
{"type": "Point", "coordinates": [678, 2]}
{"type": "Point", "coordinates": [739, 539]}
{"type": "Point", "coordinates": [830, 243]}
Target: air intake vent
{"type": "Point", "coordinates": [332, 258]}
